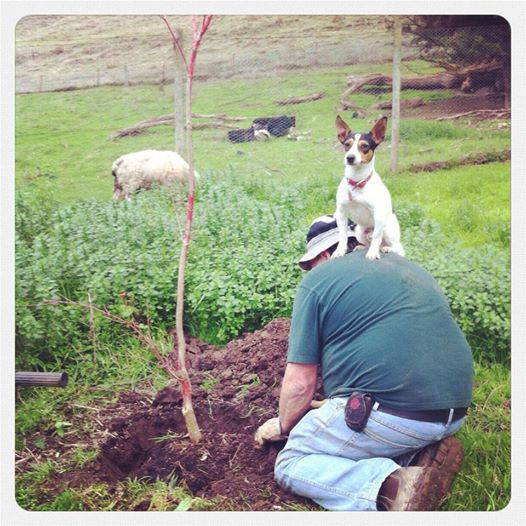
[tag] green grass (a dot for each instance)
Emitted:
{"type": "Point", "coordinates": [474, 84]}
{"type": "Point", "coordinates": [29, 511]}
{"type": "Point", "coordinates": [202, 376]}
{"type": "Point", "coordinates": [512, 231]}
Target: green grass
{"type": "Point", "coordinates": [484, 482]}
{"type": "Point", "coordinates": [131, 494]}
{"type": "Point", "coordinates": [62, 144]}
{"type": "Point", "coordinates": [471, 203]}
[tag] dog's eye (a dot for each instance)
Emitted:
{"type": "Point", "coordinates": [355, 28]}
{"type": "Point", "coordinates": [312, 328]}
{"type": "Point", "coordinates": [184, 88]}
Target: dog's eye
{"type": "Point", "coordinates": [364, 147]}
{"type": "Point", "coordinates": [348, 144]}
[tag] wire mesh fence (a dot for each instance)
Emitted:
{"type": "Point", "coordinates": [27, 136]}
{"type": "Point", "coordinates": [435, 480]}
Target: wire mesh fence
{"type": "Point", "coordinates": [80, 62]}
{"type": "Point", "coordinates": [75, 56]}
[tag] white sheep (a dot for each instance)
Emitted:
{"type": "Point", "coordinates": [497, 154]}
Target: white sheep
{"type": "Point", "coordinates": [136, 170]}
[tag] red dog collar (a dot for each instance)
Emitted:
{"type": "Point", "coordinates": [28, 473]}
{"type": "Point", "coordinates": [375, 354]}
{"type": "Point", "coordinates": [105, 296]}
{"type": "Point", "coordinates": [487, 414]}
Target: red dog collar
{"type": "Point", "coordinates": [359, 184]}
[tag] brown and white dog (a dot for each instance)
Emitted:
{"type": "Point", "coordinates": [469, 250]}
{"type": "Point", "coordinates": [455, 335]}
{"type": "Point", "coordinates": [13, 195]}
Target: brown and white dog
{"type": "Point", "coordinates": [362, 195]}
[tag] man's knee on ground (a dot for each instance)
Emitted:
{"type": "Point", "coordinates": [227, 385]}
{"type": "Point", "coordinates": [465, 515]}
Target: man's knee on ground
{"type": "Point", "coordinates": [283, 465]}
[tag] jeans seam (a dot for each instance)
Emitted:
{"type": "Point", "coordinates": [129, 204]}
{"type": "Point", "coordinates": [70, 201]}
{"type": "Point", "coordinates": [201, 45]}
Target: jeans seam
{"type": "Point", "coordinates": [323, 424]}
{"type": "Point", "coordinates": [334, 490]}
{"type": "Point", "coordinates": [382, 440]}
{"type": "Point", "coordinates": [403, 430]}
{"type": "Point", "coordinates": [330, 489]}
{"type": "Point", "coordinates": [351, 443]}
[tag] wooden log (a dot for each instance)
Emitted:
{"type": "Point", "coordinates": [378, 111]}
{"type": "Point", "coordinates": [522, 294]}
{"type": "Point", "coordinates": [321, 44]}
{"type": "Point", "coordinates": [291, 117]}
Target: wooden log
{"type": "Point", "coordinates": [169, 119]}
{"type": "Point", "coordinates": [140, 126]}
{"type": "Point", "coordinates": [503, 113]}
{"type": "Point", "coordinates": [355, 82]}
{"type": "Point", "coordinates": [346, 104]}
{"type": "Point", "coordinates": [407, 103]}
{"type": "Point", "coordinates": [220, 116]}
{"type": "Point", "coordinates": [203, 125]}
{"type": "Point", "coordinates": [30, 379]}
{"type": "Point", "coordinates": [452, 78]}
{"type": "Point", "coordinates": [446, 80]}
{"type": "Point", "coordinates": [300, 100]}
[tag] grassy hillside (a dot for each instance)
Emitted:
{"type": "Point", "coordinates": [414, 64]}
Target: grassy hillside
{"type": "Point", "coordinates": [81, 50]}
{"type": "Point", "coordinates": [63, 146]}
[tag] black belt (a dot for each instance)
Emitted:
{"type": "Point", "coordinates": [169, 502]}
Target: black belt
{"type": "Point", "coordinates": [435, 415]}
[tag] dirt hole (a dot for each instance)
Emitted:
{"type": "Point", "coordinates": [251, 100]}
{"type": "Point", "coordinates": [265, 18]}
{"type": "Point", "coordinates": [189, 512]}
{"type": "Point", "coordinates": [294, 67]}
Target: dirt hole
{"type": "Point", "coordinates": [235, 388]}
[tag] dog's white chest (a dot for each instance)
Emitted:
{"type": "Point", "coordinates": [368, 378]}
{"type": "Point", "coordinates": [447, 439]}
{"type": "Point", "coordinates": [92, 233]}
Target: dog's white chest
{"type": "Point", "coordinates": [360, 211]}
{"type": "Point", "coordinates": [357, 203]}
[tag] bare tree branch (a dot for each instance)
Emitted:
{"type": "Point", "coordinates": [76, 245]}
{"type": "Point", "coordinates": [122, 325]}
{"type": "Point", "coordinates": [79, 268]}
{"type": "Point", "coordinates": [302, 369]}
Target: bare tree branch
{"type": "Point", "coordinates": [188, 412]}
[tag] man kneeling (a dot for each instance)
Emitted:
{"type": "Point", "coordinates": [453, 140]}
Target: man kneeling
{"type": "Point", "coordinates": [397, 373]}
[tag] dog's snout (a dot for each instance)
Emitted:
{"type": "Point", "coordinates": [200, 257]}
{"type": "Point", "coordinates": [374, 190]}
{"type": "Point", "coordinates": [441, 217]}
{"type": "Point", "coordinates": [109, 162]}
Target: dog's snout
{"type": "Point", "coordinates": [351, 159]}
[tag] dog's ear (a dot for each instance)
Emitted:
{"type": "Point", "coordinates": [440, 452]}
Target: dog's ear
{"type": "Point", "coordinates": [342, 129]}
{"type": "Point", "coordinates": [378, 131]}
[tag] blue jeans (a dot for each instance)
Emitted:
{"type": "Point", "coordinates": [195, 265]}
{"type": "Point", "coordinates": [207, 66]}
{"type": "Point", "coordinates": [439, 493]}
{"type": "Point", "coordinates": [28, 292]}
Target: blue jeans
{"type": "Point", "coordinates": [343, 470]}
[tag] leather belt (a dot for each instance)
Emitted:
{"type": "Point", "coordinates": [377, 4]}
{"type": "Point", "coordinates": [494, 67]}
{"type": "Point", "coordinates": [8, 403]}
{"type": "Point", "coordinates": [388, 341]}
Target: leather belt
{"type": "Point", "coordinates": [435, 415]}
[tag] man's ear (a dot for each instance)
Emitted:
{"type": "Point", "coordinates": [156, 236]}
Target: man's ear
{"type": "Point", "coordinates": [322, 256]}
{"type": "Point", "coordinates": [378, 131]}
{"type": "Point", "coordinates": [342, 129]}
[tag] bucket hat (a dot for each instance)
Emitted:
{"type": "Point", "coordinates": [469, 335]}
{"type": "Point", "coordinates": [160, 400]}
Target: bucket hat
{"type": "Point", "coordinates": [323, 233]}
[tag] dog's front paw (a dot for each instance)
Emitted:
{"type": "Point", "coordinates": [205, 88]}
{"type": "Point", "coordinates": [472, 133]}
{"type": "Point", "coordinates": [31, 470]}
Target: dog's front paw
{"type": "Point", "coordinates": [339, 252]}
{"type": "Point", "coordinates": [372, 254]}
{"type": "Point", "coordinates": [395, 249]}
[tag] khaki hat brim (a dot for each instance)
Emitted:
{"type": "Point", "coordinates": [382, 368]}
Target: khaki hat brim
{"type": "Point", "coordinates": [320, 243]}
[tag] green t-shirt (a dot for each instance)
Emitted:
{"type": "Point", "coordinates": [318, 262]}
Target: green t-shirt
{"type": "Point", "coordinates": [384, 327]}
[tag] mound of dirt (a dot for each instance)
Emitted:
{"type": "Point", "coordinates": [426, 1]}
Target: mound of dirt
{"type": "Point", "coordinates": [235, 388]}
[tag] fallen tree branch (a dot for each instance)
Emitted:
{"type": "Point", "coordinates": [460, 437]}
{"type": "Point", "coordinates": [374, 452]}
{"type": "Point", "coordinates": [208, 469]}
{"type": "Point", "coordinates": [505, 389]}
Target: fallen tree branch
{"type": "Point", "coordinates": [300, 100]}
{"type": "Point", "coordinates": [169, 119]}
{"type": "Point", "coordinates": [346, 104]}
{"type": "Point", "coordinates": [488, 114]}
{"type": "Point", "coordinates": [445, 80]}
{"type": "Point", "coordinates": [202, 125]}
{"type": "Point", "coordinates": [453, 78]}
{"type": "Point", "coordinates": [220, 116]}
{"type": "Point", "coordinates": [355, 82]}
{"type": "Point", "coordinates": [468, 160]}
{"type": "Point", "coordinates": [141, 126]}
{"type": "Point", "coordinates": [407, 103]}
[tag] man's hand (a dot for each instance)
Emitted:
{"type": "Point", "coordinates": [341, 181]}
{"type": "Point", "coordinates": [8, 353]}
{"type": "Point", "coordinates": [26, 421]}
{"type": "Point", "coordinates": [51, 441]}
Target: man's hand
{"type": "Point", "coordinates": [270, 431]}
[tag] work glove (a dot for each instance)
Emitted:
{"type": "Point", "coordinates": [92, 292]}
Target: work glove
{"type": "Point", "coordinates": [270, 431]}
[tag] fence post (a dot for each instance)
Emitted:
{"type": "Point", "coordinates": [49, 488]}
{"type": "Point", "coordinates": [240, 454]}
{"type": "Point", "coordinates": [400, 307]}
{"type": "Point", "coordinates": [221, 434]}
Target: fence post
{"type": "Point", "coordinates": [180, 99]}
{"type": "Point", "coordinates": [395, 104]}
{"type": "Point", "coordinates": [126, 84]}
